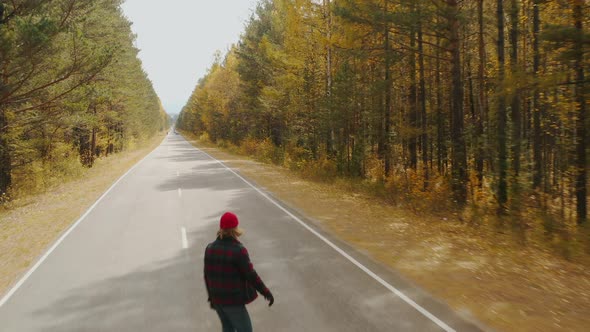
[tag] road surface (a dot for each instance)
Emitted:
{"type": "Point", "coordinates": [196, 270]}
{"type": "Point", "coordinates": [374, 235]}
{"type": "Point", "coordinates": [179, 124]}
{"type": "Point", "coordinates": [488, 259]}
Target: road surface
{"type": "Point", "coordinates": [134, 262]}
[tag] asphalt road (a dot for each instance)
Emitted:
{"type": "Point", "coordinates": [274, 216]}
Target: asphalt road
{"type": "Point", "coordinates": [134, 263]}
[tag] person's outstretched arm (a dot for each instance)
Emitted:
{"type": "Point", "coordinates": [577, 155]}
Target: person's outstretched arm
{"type": "Point", "coordinates": [246, 268]}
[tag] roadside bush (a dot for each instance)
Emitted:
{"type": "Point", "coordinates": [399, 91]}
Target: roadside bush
{"type": "Point", "coordinates": [296, 158]}
{"type": "Point", "coordinates": [205, 137]}
{"type": "Point", "coordinates": [249, 147]}
{"type": "Point", "coordinates": [61, 165]}
{"type": "Point", "coordinates": [375, 169]}
{"type": "Point", "coordinates": [401, 188]}
{"type": "Point", "coordinates": [227, 145]}
{"type": "Point", "coordinates": [264, 151]}
{"type": "Point", "coordinates": [322, 169]}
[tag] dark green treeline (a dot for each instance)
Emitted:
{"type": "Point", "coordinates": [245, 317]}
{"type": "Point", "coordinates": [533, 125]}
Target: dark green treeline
{"type": "Point", "coordinates": [71, 88]}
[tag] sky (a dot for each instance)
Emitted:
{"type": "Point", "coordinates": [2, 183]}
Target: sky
{"type": "Point", "coordinates": [178, 39]}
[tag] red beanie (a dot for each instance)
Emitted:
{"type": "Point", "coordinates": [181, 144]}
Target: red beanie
{"type": "Point", "coordinates": [228, 220]}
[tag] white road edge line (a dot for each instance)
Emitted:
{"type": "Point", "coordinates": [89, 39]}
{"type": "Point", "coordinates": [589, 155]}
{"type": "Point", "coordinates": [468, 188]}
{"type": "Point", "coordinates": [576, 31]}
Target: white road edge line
{"type": "Point", "coordinates": [184, 239]}
{"type": "Point", "coordinates": [59, 241]}
{"type": "Point", "coordinates": [180, 192]}
{"type": "Point", "coordinates": [394, 290]}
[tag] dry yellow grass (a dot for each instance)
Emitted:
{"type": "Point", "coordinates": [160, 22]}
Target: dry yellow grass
{"type": "Point", "coordinates": [477, 271]}
{"type": "Point", "coordinates": [33, 223]}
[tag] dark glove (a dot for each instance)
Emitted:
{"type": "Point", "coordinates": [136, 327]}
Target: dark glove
{"type": "Point", "coordinates": [268, 296]}
{"type": "Point", "coordinates": [211, 304]}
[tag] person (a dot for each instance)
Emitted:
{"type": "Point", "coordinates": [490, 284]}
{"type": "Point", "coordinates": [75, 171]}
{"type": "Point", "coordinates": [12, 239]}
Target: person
{"type": "Point", "coordinates": [230, 277]}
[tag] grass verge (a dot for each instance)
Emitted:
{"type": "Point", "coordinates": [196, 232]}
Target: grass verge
{"type": "Point", "coordinates": [477, 270]}
{"type": "Point", "coordinates": [29, 225]}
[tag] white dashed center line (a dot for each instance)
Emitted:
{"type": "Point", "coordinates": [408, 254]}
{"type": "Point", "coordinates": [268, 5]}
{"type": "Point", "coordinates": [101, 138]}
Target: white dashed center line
{"type": "Point", "coordinates": [184, 239]}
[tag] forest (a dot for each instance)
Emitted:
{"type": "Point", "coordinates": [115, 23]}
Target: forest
{"type": "Point", "coordinates": [72, 90]}
{"type": "Point", "coordinates": [477, 107]}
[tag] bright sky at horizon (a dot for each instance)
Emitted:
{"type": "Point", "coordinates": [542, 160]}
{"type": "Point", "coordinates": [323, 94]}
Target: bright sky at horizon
{"type": "Point", "coordinates": [178, 40]}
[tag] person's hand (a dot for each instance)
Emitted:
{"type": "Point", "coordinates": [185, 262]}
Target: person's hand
{"type": "Point", "coordinates": [210, 304]}
{"type": "Point", "coordinates": [269, 298]}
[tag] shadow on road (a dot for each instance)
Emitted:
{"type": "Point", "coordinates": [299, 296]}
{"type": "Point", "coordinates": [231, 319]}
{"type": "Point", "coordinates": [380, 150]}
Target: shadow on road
{"type": "Point", "coordinates": [208, 175]}
{"type": "Point", "coordinates": [159, 296]}
{"type": "Point", "coordinates": [180, 151]}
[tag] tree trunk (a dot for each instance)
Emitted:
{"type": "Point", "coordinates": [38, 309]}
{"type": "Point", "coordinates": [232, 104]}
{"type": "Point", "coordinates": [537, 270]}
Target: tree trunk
{"type": "Point", "coordinates": [109, 149]}
{"type": "Point", "coordinates": [330, 132]}
{"type": "Point", "coordinates": [502, 117]}
{"type": "Point", "coordinates": [459, 158]}
{"type": "Point", "coordinates": [482, 102]}
{"type": "Point", "coordinates": [413, 111]}
{"type": "Point", "coordinates": [537, 152]}
{"type": "Point", "coordinates": [515, 106]}
{"type": "Point", "coordinates": [423, 116]}
{"type": "Point", "coordinates": [387, 111]}
{"type": "Point", "coordinates": [84, 147]}
{"type": "Point", "coordinates": [581, 191]}
{"type": "Point", "coordinates": [441, 147]}
{"type": "Point", "coordinates": [5, 160]}
{"type": "Point", "coordinates": [93, 145]}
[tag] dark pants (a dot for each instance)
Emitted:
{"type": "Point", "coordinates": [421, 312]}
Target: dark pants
{"type": "Point", "coordinates": [234, 318]}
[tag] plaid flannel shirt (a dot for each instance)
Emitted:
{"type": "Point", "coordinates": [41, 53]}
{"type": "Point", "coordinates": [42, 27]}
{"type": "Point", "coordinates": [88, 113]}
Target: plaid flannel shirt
{"type": "Point", "coordinates": [229, 275]}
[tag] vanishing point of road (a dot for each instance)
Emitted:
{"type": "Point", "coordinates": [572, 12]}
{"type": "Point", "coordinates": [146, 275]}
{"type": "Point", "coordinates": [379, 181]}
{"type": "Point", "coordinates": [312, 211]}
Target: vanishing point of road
{"type": "Point", "coordinates": [134, 262]}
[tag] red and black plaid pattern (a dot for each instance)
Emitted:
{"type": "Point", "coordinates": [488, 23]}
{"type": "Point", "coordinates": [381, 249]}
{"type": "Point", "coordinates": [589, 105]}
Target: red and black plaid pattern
{"type": "Point", "coordinates": [229, 275]}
